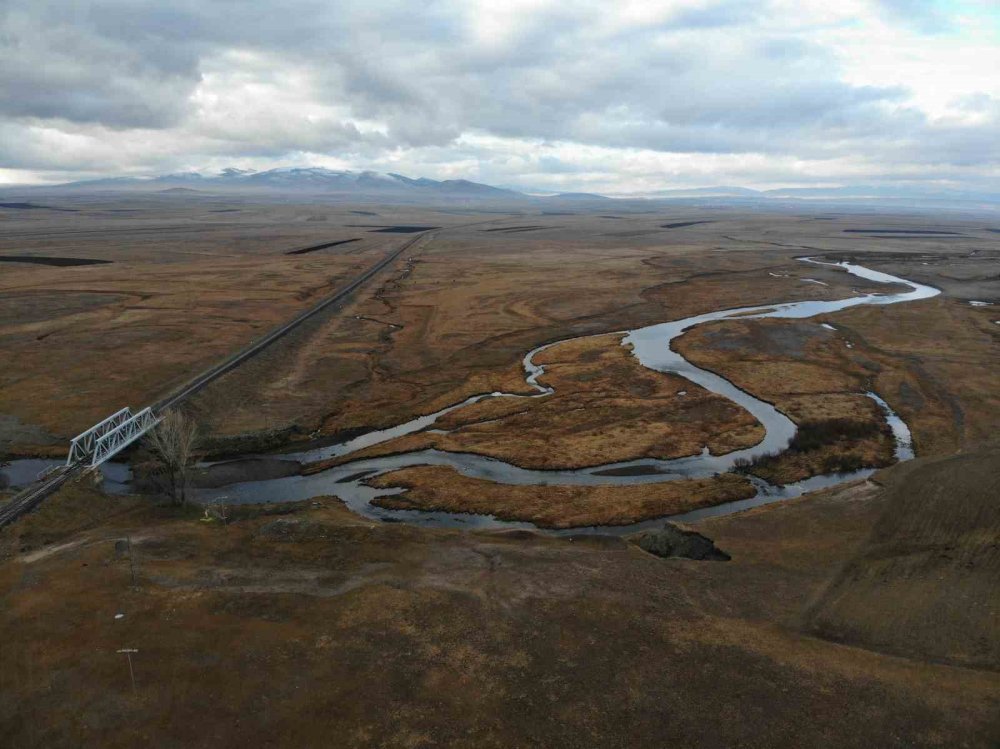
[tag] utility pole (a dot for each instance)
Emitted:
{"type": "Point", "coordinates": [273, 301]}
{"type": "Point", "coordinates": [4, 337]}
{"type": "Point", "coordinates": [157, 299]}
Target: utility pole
{"type": "Point", "coordinates": [128, 654]}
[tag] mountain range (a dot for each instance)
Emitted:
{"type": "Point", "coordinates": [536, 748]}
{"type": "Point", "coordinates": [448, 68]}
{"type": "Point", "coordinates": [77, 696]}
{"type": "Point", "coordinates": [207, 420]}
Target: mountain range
{"type": "Point", "coordinates": [372, 185]}
{"type": "Point", "coordinates": [295, 179]}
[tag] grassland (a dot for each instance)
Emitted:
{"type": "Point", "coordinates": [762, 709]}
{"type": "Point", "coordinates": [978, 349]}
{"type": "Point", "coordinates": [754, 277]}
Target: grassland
{"type": "Point", "coordinates": [294, 624]}
{"type": "Point", "coordinates": [184, 284]}
{"type": "Point", "coordinates": [606, 408]}
{"type": "Point", "coordinates": [857, 617]}
{"type": "Point", "coordinates": [190, 280]}
{"type": "Point", "coordinates": [442, 488]}
{"type": "Point", "coordinates": [932, 561]}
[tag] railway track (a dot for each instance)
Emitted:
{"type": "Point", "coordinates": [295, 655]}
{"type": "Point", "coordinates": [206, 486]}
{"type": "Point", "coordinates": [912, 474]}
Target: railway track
{"type": "Point", "coordinates": [199, 382]}
{"type": "Point", "coordinates": [31, 496]}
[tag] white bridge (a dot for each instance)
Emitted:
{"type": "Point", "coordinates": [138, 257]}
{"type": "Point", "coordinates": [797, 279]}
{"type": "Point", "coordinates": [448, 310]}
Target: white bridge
{"type": "Point", "coordinates": [109, 437]}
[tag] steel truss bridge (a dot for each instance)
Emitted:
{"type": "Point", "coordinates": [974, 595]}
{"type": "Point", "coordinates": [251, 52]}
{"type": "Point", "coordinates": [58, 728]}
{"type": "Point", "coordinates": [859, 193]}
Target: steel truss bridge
{"type": "Point", "coordinates": [109, 437]}
{"type": "Point", "coordinates": [88, 450]}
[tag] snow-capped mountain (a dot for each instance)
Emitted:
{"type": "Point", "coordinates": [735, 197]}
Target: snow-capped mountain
{"type": "Point", "coordinates": [301, 179]}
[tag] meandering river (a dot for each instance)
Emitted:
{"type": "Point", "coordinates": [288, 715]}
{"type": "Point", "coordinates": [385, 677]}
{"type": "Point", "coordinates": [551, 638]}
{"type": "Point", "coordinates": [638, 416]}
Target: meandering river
{"type": "Point", "coordinates": [652, 347]}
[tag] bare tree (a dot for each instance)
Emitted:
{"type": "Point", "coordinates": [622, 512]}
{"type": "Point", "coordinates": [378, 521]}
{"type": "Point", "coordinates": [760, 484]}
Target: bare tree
{"type": "Point", "coordinates": [172, 443]}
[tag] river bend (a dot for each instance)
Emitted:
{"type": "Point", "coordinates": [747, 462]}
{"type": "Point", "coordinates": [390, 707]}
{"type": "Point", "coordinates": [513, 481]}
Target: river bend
{"type": "Point", "coordinates": [651, 345]}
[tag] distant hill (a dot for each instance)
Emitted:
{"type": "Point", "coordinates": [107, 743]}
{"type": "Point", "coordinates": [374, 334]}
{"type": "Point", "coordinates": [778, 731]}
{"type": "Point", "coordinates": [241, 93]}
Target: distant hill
{"type": "Point", "coordinates": [578, 196]}
{"type": "Point", "coordinates": [367, 185]}
{"type": "Point", "coordinates": [311, 180]}
{"type": "Point", "coordinates": [699, 192]}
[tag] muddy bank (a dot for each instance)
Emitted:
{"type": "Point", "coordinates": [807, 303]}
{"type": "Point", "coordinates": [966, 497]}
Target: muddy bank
{"type": "Point", "coordinates": [236, 446]}
{"type": "Point", "coordinates": [21, 440]}
{"type": "Point", "coordinates": [249, 469]}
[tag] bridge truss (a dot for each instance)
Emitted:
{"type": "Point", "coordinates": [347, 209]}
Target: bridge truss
{"type": "Point", "coordinates": [110, 436]}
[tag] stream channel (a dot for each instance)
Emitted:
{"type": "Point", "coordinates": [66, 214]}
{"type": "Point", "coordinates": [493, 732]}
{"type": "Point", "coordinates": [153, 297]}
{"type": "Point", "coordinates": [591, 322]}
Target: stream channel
{"type": "Point", "coordinates": [651, 346]}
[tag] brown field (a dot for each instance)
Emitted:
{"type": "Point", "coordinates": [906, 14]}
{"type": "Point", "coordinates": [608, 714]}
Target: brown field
{"type": "Point", "coordinates": [932, 560]}
{"type": "Point", "coordinates": [297, 627]}
{"type": "Point", "coordinates": [188, 284]}
{"type": "Point", "coordinates": [856, 617]}
{"type": "Point", "coordinates": [193, 280]}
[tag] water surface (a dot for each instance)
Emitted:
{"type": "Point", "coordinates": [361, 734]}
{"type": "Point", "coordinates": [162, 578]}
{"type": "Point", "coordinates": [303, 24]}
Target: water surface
{"type": "Point", "coordinates": [651, 345]}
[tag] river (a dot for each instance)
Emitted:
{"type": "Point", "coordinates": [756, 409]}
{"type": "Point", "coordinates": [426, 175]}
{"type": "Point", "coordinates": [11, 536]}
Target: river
{"type": "Point", "coordinates": [651, 346]}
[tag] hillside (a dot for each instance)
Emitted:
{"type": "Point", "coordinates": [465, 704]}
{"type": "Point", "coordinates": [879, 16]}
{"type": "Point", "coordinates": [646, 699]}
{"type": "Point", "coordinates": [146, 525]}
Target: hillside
{"type": "Point", "coordinates": [924, 584]}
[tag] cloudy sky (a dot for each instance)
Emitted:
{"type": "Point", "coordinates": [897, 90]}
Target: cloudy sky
{"type": "Point", "coordinates": [626, 96]}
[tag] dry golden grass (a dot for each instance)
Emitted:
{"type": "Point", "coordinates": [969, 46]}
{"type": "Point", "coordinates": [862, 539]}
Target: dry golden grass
{"type": "Point", "coordinates": [194, 279]}
{"type": "Point", "coordinates": [443, 488]}
{"type": "Point", "coordinates": [606, 408]}
{"type": "Point", "coordinates": [178, 297]}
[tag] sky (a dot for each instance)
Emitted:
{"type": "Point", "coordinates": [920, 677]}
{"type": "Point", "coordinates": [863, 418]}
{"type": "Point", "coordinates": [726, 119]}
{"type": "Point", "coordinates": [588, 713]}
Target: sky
{"type": "Point", "coordinates": [622, 97]}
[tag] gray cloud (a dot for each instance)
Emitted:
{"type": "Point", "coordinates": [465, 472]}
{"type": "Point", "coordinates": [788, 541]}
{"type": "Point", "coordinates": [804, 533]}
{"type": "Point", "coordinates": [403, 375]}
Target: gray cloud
{"type": "Point", "coordinates": [142, 85]}
{"type": "Point", "coordinates": [61, 63]}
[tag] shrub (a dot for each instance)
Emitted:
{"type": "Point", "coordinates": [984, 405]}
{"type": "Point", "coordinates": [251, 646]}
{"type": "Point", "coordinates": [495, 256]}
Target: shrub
{"type": "Point", "coordinates": [811, 436]}
{"type": "Point", "coordinates": [814, 434]}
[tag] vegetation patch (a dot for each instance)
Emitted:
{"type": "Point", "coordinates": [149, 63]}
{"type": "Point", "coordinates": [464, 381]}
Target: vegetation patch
{"type": "Point", "coordinates": [516, 228]}
{"type": "Point", "coordinates": [814, 434]}
{"type": "Point", "coordinates": [902, 231]}
{"type": "Point", "coordinates": [35, 207]}
{"type": "Point", "coordinates": [834, 445]}
{"type": "Point", "coordinates": [404, 229]}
